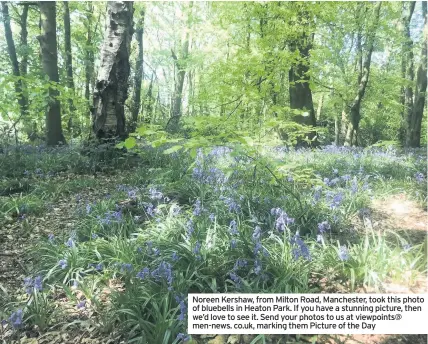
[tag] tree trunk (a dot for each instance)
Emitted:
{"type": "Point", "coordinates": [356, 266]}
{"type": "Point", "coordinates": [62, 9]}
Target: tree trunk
{"type": "Point", "coordinates": [68, 61]}
{"type": "Point", "coordinates": [319, 108]}
{"type": "Point", "coordinates": [355, 106]}
{"type": "Point", "coordinates": [181, 65]}
{"type": "Point", "coordinates": [22, 100]}
{"type": "Point", "coordinates": [139, 72]}
{"type": "Point", "coordinates": [111, 89]}
{"type": "Point", "coordinates": [48, 44]}
{"type": "Point", "coordinates": [89, 58]}
{"type": "Point", "coordinates": [414, 117]}
{"type": "Point", "coordinates": [336, 130]}
{"type": "Point", "coordinates": [24, 39]}
{"type": "Point", "coordinates": [407, 69]}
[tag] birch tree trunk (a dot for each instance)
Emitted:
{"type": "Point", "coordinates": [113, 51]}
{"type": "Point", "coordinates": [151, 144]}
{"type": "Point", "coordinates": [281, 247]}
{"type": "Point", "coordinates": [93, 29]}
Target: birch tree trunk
{"type": "Point", "coordinates": [139, 72]}
{"type": "Point", "coordinates": [414, 117]}
{"type": "Point", "coordinates": [48, 44]}
{"type": "Point", "coordinates": [111, 87]}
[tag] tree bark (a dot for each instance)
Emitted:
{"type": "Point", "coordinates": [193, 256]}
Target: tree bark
{"type": "Point", "coordinates": [68, 61]}
{"type": "Point", "coordinates": [22, 100]}
{"type": "Point", "coordinates": [414, 115]}
{"type": "Point", "coordinates": [48, 44]}
{"type": "Point", "coordinates": [24, 39]}
{"type": "Point", "coordinates": [319, 108]}
{"type": "Point", "coordinates": [139, 72]}
{"type": "Point", "coordinates": [181, 65]}
{"type": "Point", "coordinates": [111, 89]}
{"type": "Point", "coordinates": [354, 113]}
{"type": "Point", "coordinates": [407, 69]}
{"type": "Point", "coordinates": [89, 55]}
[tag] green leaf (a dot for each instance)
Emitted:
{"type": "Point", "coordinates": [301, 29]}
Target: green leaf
{"type": "Point", "coordinates": [172, 149]}
{"type": "Point", "coordinates": [130, 142]}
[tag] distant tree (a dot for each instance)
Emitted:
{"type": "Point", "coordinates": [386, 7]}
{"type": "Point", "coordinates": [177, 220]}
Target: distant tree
{"type": "Point", "coordinates": [111, 88]}
{"type": "Point", "coordinates": [19, 89]}
{"type": "Point", "coordinates": [48, 44]}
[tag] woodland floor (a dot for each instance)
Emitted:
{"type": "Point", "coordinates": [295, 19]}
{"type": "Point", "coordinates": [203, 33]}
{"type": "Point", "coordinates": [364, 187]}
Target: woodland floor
{"type": "Point", "coordinates": [396, 213]}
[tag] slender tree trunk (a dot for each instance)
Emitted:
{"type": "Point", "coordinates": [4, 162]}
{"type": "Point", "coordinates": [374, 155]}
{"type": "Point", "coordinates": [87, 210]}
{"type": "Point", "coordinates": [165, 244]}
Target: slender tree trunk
{"type": "Point", "coordinates": [139, 72]}
{"type": "Point", "coordinates": [181, 65]}
{"type": "Point", "coordinates": [19, 89]}
{"type": "Point", "coordinates": [407, 69]}
{"type": "Point", "coordinates": [48, 43]}
{"type": "Point", "coordinates": [68, 61]}
{"type": "Point", "coordinates": [319, 108]}
{"type": "Point", "coordinates": [89, 59]}
{"type": "Point", "coordinates": [149, 109]}
{"type": "Point", "coordinates": [414, 117]}
{"type": "Point", "coordinates": [336, 130]}
{"type": "Point", "coordinates": [24, 39]}
{"type": "Point", "coordinates": [111, 89]}
{"type": "Point", "coordinates": [355, 106]}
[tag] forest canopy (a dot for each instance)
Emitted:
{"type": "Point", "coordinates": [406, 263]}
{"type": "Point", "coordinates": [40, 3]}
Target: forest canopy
{"type": "Point", "coordinates": [353, 71]}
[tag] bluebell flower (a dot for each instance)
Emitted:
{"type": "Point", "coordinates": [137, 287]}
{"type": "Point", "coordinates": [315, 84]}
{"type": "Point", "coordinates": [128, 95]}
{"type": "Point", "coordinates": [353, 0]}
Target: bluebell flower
{"type": "Point", "coordinates": [183, 337]}
{"type": "Point", "coordinates": [88, 208]}
{"type": "Point", "coordinates": [257, 266]}
{"type": "Point", "coordinates": [212, 217]}
{"type": "Point", "coordinates": [81, 304]}
{"type": "Point", "coordinates": [176, 210]}
{"type": "Point", "coordinates": [70, 243]}
{"type": "Point", "coordinates": [183, 307]}
{"type": "Point", "coordinates": [232, 228]}
{"type": "Point", "coordinates": [189, 228]}
{"type": "Point", "coordinates": [163, 271]}
{"type": "Point", "coordinates": [346, 177]}
{"type": "Point", "coordinates": [233, 243]}
{"type": "Point", "coordinates": [38, 281]}
{"type": "Point", "coordinates": [343, 253]}
{"type": "Point", "coordinates": [419, 177]}
{"type": "Point", "coordinates": [257, 233]}
{"type": "Point", "coordinates": [407, 247]}
{"type": "Point", "coordinates": [99, 267]}
{"type": "Point", "coordinates": [299, 248]}
{"type": "Point", "coordinates": [319, 238]}
{"type": "Point", "coordinates": [240, 263]}
{"type": "Point", "coordinates": [94, 236]}
{"type": "Point", "coordinates": [235, 278]}
{"type": "Point", "coordinates": [323, 227]}
{"type": "Point", "coordinates": [62, 263]}
{"type": "Point", "coordinates": [197, 248]}
{"type": "Point", "coordinates": [16, 318]}
{"type": "Point", "coordinates": [175, 256]}
{"type": "Point", "coordinates": [143, 273]}
{"type": "Point", "coordinates": [155, 194]}
{"type": "Point", "coordinates": [198, 208]}
{"type": "Point", "coordinates": [28, 284]}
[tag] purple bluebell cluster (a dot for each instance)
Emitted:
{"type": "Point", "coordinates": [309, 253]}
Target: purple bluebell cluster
{"type": "Point", "coordinates": [110, 217]}
{"type": "Point", "coordinates": [183, 308]}
{"type": "Point", "coordinates": [63, 263]}
{"type": "Point", "coordinates": [282, 219]}
{"type": "Point", "coordinates": [299, 248]}
{"type": "Point", "coordinates": [16, 318]}
{"type": "Point", "coordinates": [143, 273]}
{"type": "Point", "coordinates": [183, 337]}
{"type": "Point", "coordinates": [197, 208]}
{"type": "Point", "coordinates": [343, 253]}
{"type": "Point", "coordinates": [155, 194]}
{"type": "Point", "coordinates": [81, 304]}
{"type": "Point", "coordinates": [231, 204]}
{"type": "Point", "coordinates": [30, 284]}
{"type": "Point", "coordinates": [163, 272]}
